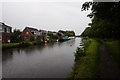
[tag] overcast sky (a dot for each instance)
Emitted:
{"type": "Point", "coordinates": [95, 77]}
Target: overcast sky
{"type": "Point", "coordinates": [51, 15]}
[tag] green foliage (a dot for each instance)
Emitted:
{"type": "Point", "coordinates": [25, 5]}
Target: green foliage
{"type": "Point", "coordinates": [67, 33]}
{"type": "Point", "coordinates": [62, 31]}
{"type": "Point", "coordinates": [20, 44]}
{"type": "Point", "coordinates": [79, 53]}
{"type": "Point", "coordinates": [44, 37]}
{"type": "Point", "coordinates": [87, 66]}
{"type": "Point", "coordinates": [51, 36]}
{"type": "Point", "coordinates": [55, 37]}
{"type": "Point", "coordinates": [15, 36]}
{"type": "Point", "coordinates": [31, 38]}
{"type": "Point", "coordinates": [15, 45]}
{"type": "Point", "coordinates": [105, 20]}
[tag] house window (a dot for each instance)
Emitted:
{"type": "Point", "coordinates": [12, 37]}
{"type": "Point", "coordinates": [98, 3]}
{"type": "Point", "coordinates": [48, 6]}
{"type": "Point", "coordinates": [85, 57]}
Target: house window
{"type": "Point", "coordinates": [34, 32]}
{"type": "Point", "coordinates": [40, 33]}
{"type": "Point", "coordinates": [8, 30]}
{"type": "Point", "coordinates": [5, 30]}
{"type": "Point", "coordinates": [27, 33]}
{"type": "Point", "coordinates": [8, 41]}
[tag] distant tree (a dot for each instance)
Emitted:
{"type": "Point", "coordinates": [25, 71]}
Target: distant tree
{"type": "Point", "coordinates": [86, 32]}
{"type": "Point", "coordinates": [15, 35]}
{"type": "Point", "coordinates": [55, 37]}
{"type": "Point", "coordinates": [50, 34]}
{"type": "Point", "coordinates": [67, 33]}
{"type": "Point", "coordinates": [62, 31]}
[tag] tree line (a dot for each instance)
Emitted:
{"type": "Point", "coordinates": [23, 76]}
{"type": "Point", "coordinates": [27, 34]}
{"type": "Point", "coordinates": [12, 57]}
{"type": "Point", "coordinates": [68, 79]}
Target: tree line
{"type": "Point", "coordinates": [105, 19]}
{"type": "Point", "coordinates": [67, 33]}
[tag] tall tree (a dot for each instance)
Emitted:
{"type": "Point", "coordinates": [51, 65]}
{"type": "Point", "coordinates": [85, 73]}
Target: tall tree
{"type": "Point", "coordinates": [105, 19]}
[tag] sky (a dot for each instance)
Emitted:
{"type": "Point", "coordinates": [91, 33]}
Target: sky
{"type": "Point", "coordinates": [52, 15]}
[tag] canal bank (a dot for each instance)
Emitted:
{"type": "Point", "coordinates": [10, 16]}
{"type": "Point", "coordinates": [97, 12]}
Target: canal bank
{"type": "Point", "coordinates": [96, 59]}
{"type": "Point", "coordinates": [87, 60]}
{"type": "Point", "coordinates": [24, 44]}
{"type": "Point", "coordinates": [54, 60]}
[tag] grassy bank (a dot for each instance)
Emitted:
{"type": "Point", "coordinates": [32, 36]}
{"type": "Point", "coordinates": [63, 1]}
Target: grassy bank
{"type": "Point", "coordinates": [21, 44]}
{"type": "Point", "coordinates": [25, 44]}
{"type": "Point", "coordinates": [87, 66]}
{"type": "Point", "coordinates": [114, 48]}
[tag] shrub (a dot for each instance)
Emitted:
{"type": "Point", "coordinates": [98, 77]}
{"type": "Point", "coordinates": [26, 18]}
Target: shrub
{"type": "Point", "coordinates": [79, 53]}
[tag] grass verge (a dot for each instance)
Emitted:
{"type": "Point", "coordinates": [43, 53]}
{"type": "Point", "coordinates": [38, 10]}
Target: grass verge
{"type": "Point", "coordinates": [87, 66]}
{"type": "Point", "coordinates": [21, 44]}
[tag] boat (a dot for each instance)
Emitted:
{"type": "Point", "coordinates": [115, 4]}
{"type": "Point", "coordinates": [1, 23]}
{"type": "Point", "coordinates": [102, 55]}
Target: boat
{"type": "Point", "coordinates": [63, 39]}
{"type": "Point", "coordinates": [71, 37]}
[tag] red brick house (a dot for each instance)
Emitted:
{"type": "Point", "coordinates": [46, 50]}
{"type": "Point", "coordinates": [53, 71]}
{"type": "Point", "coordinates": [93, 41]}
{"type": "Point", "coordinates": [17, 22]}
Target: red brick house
{"type": "Point", "coordinates": [6, 33]}
{"type": "Point", "coordinates": [29, 32]}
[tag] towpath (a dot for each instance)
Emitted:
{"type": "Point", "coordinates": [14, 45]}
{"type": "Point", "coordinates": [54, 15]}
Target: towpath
{"type": "Point", "coordinates": [108, 66]}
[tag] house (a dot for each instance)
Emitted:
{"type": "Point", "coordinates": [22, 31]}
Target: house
{"type": "Point", "coordinates": [54, 33]}
{"type": "Point", "coordinates": [43, 35]}
{"type": "Point", "coordinates": [6, 33]}
{"type": "Point", "coordinates": [28, 33]}
{"type": "Point", "coordinates": [42, 32]}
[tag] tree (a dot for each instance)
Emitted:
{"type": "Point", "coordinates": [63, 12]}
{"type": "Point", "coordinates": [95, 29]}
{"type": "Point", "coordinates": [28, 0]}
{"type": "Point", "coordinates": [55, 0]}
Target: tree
{"type": "Point", "coordinates": [15, 35]}
{"type": "Point", "coordinates": [105, 19]}
{"type": "Point", "coordinates": [31, 38]}
{"type": "Point", "coordinates": [51, 36]}
{"type": "Point", "coordinates": [67, 33]}
{"type": "Point", "coordinates": [55, 37]}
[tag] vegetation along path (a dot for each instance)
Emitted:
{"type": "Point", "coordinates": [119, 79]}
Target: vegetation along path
{"type": "Point", "coordinates": [108, 66]}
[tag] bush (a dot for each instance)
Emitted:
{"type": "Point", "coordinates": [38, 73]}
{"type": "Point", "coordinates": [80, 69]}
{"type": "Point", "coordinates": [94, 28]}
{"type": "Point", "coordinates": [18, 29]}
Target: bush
{"type": "Point", "coordinates": [79, 53]}
{"type": "Point", "coordinates": [31, 38]}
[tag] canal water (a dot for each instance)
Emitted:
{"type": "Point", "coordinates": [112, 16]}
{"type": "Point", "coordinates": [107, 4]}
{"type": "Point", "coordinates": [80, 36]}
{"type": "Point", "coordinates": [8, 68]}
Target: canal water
{"type": "Point", "coordinates": [54, 60]}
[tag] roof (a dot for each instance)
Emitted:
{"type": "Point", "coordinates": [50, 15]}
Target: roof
{"type": "Point", "coordinates": [42, 30]}
{"type": "Point", "coordinates": [3, 24]}
{"type": "Point", "coordinates": [32, 28]}
{"type": "Point", "coordinates": [54, 32]}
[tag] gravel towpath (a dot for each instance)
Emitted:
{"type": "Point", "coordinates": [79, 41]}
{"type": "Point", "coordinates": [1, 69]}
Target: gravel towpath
{"type": "Point", "coordinates": [108, 66]}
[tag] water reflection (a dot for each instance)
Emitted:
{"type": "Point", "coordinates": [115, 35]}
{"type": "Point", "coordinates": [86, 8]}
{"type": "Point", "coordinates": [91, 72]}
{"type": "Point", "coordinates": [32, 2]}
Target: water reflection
{"type": "Point", "coordinates": [7, 55]}
{"type": "Point", "coordinates": [54, 60]}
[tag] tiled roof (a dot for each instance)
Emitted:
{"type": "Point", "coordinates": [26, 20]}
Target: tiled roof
{"type": "Point", "coordinates": [3, 24]}
{"type": "Point", "coordinates": [32, 29]}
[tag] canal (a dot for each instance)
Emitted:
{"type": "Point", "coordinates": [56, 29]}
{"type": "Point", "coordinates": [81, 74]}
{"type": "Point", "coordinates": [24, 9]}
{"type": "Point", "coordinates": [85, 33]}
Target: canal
{"type": "Point", "coordinates": [54, 60]}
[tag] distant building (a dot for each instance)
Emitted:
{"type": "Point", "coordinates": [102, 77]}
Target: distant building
{"type": "Point", "coordinates": [5, 33]}
{"type": "Point", "coordinates": [54, 33]}
{"type": "Point", "coordinates": [29, 32]}
{"type": "Point", "coordinates": [43, 32]}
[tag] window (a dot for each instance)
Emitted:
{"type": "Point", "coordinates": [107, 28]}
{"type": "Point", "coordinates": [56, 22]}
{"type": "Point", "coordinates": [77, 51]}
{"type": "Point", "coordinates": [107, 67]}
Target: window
{"type": "Point", "coordinates": [8, 30]}
{"type": "Point", "coordinates": [40, 33]}
{"type": "Point", "coordinates": [34, 32]}
{"type": "Point", "coordinates": [5, 30]}
{"type": "Point", "coordinates": [27, 33]}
